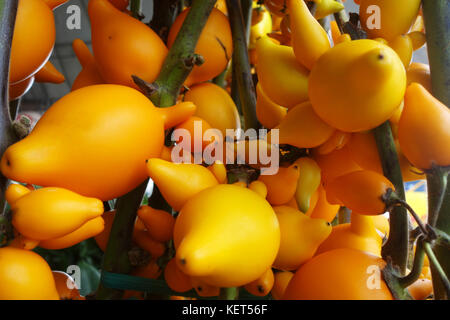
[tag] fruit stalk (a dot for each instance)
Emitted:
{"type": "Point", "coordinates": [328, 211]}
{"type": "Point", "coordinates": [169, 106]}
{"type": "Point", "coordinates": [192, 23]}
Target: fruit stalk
{"type": "Point", "coordinates": [161, 22]}
{"type": "Point", "coordinates": [241, 65]}
{"type": "Point", "coordinates": [8, 11]}
{"type": "Point", "coordinates": [181, 57]}
{"type": "Point", "coordinates": [341, 17]}
{"type": "Point", "coordinates": [437, 19]}
{"type": "Point", "coordinates": [135, 8]}
{"type": "Point", "coordinates": [396, 246]}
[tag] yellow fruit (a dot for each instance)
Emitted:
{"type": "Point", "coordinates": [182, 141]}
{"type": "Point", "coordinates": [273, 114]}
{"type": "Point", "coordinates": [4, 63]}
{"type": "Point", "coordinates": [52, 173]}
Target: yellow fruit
{"type": "Point", "coordinates": [281, 281]}
{"type": "Point", "coordinates": [262, 28]}
{"type": "Point", "coordinates": [281, 186]}
{"type": "Point", "coordinates": [404, 47]}
{"type": "Point", "coordinates": [327, 7]}
{"type": "Point", "coordinates": [269, 113]}
{"type": "Point", "coordinates": [309, 39]}
{"type": "Point", "coordinates": [359, 234]}
{"type": "Point", "coordinates": [178, 182]}
{"type": "Point", "coordinates": [357, 85]}
{"type": "Point", "coordinates": [395, 17]}
{"type": "Point", "coordinates": [49, 213]}
{"type": "Point", "coordinates": [25, 275]}
{"type": "Point", "coordinates": [300, 237]}
{"type": "Point", "coordinates": [92, 155]}
{"type": "Point", "coordinates": [261, 286]}
{"type": "Point", "coordinates": [307, 183]}
{"type": "Point", "coordinates": [282, 77]}
{"type": "Point", "coordinates": [214, 105]}
{"type": "Point", "coordinates": [88, 230]}
{"type": "Point", "coordinates": [220, 226]}
{"type": "Point", "coordinates": [302, 128]}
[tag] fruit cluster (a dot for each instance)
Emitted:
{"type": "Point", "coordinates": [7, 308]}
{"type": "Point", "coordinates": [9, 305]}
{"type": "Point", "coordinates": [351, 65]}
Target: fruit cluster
{"type": "Point", "coordinates": [320, 94]}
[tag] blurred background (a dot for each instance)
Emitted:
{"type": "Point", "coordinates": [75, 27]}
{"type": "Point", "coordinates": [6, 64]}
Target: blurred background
{"type": "Point", "coordinates": [42, 95]}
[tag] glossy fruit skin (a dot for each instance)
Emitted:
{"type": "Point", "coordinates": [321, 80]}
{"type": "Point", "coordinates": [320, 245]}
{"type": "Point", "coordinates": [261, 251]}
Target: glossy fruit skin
{"type": "Point", "coordinates": [197, 143]}
{"type": "Point", "coordinates": [423, 130]}
{"type": "Point", "coordinates": [339, 274]}
{"type": "Point", "coordinates": [335, 164]}
{"type": "Point", "coordinates": [179, 182]}
{"type": "Point", "coordinates": [300, 237]}
{"type": "Point", "coordinates": [269, 113]}
{"type": "Point", "coordinates": [282, 185]}
{"type": "Point", "coordinates": [357, 85]}
{"type": "Point", "coordinates": [420, 73]}
{"type": "Point", "coordinates": [34, 28]}
{"type": "Point", "coordinates": [262, 27]}
{"type": "Point", "coordinates": [302, 128]}
{"type": "Point", "coordinates": [261, 286]}
{"type": "Point", "coordinates": [282, 77]}
{"type": "Point", "coordinates": [396, 17]}
{"type": "Point", "coordinates": [175, 279]}
{"type": "Point", "coordinates": [25, 275]}
{"type": "Point", "coordinates": [159, 223]}
{"type": "Point", "coordinates": [404, 47]}
{"type": "Point", "coordinates": [124, 46]}
{"type": "Point", "coordinates": [48, 213]}
{"type": "Point", "coordinates": [89, 74]}
{"type": "Point", "coordinates": [62, 282]}
{"type": "Point", "coordinates": [361, 191]}
{"type": "Point", "coordinates": [307, 183]}
{"type": "Point", "coordinates": [421, 289]}
{"type": "Point", "coordinates": [214, 105]}
{"type": "Point", "coordinates": [215, 36]}
{"type": "Point", "coordinates": [337, 141]}
{"type": "Point", "coordinates": [309, 39]}
{"type": "Point", "coordinates": [20, 88]}
{"type": "Point", "coordinates": [363, 150]}
{"type": "Point", "coordinates": [359, 234]}
{"type": "Point", "coordinates": [88, 230]}
{"type": "Point", "coordinates": [327, 7]}
{"type": "Point", "coordinates": [49, 73]}
{"type": "Point", "coordinates": [222, 225]}
{"type": "Point", "coordinates": [323, 209]}
{"type": "Point", "coordinates": [281, 281]}
{"type": "Point", "coordinates": [89, 157]}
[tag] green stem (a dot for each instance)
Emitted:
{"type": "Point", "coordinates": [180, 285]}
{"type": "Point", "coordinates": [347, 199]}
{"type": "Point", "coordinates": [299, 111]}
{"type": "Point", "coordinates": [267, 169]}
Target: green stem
{"type": "Point", "coordinates": [436, 15]}
{"type": "Point", "coordinates": [437, 266]}
{"type": "Point", "coordinates": [341, 18]}
{"type": "Point", "coordinates": [229, 293]}
{"type": "Point", "coordinates": [247, 11]}
{"type": "Point", "coordinates": [161, 23]}
{"type": "Point", "coordinates": [396, 247]}
{"type": "Point", "coordinates": [419, 258]}
{"type": "Point", "coordinates": [8, 11]}
{"type": "Point", "coordinates": [174, 72]}
{"type": "Point", "coordinates": [436, 186]}
{"type": "Point", "coordinates": [135, 8]}
{"type": "Point", "coordinates": [181, 57]}
{"type": "Point", "coordinates": [241, 65]}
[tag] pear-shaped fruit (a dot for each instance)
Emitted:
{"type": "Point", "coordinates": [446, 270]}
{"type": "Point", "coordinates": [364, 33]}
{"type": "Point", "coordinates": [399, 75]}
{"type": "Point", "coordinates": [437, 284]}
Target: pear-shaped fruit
{"type": "Point", "coordinates": [88, 230]}
{"type": "Point", "coordinates": [309, 39]}
{"type": "Point", "coordinates": [226, 236]}
{"type": "Point", "coordinates": [302, 128]}
{"type": "Point", "coordinates": [269, 113]}
{"type": "Point", "coordinates": [90, 74]}
{"type": "Point", "coordinates": [424, 129]}
{"type": "Point", "coordinates": [282, 77]}
{"type": "Point", "coordinates": [25, 275]}
{"type": "Point", "coordinates": [96, 142]}
{"type": "Point", "coordinates": [359, 234]}
{"type": "Point", "coordinates": [124, 46]}
{"type": "Point", "coordinates": [178, 182]}
{"type": "Point", "coordinates": [300, 237]}
{"type": "Point", "coordinates": [307, 183]}
{"type": "Point", "coordinates": [357, 85]}
{"type": "Point", "coordinates": [386, 18]}
{"type": "Point", "coordinates": [281, 186]}
{"type": "Point", "coordinates": [48, 73]}
{"type": "Point", "coordinates": [327, 7]}
{"type": "Point", "coordinates": [49, 213]}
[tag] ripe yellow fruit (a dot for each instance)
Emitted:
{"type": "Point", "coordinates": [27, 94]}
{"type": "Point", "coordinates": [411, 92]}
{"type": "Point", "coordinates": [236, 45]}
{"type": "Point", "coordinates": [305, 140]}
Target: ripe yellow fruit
{"type": "Point", "coordinates": [25, 275]}
{"type": "Point", "coordinates": [49, 213]}
{"type": "Point", "coordinates": [395, 17]}
{"type": "Point", "coordinates": [269, 113]}
{"type": "Point", "coordinates": [281, 281]}
{"type": "Point", "coordinates": [300, 237]}
{"type": "Point", "coordinates": [178, 182]}
{"type": "Point", "coordinates": [309, 39]}
{"type": "Point", "coordinates": [282, 77]}
{"type": "Point", "coordinates": [221, 226]}
{"type": "Point", "coordinates": [357, 85]}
